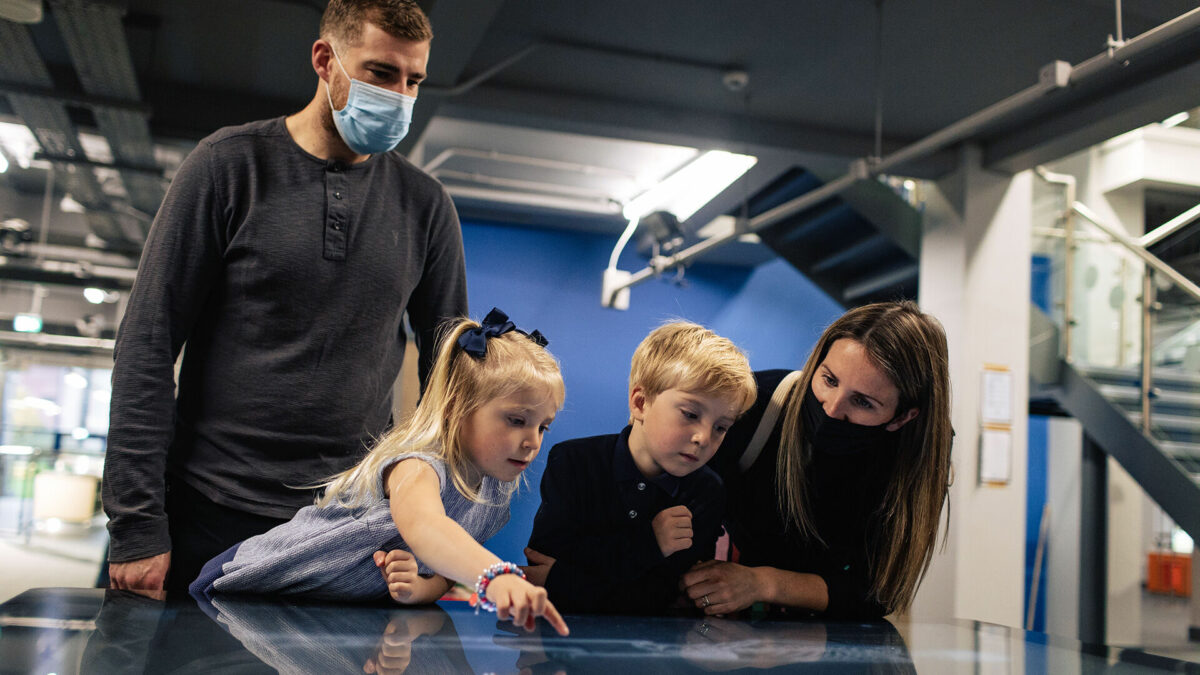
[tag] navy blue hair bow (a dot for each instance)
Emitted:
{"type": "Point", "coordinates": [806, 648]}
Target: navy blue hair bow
{"type": "Point", "coordinates": [474, 340]}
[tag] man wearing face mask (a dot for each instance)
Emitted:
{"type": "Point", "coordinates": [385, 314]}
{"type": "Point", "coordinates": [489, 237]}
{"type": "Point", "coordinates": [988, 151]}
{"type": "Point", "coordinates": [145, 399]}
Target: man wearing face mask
{"type": "Point", "coordinates": [284, 255]}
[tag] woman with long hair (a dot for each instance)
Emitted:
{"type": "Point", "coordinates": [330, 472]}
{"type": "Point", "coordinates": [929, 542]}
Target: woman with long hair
{"type": "Point", "coordinates": [836, 478]}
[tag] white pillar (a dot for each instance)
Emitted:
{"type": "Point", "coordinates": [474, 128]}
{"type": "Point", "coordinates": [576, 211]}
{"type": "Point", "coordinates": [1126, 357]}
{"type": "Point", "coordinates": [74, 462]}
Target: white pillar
{"type": "Point", "coordinates": [975, 277]}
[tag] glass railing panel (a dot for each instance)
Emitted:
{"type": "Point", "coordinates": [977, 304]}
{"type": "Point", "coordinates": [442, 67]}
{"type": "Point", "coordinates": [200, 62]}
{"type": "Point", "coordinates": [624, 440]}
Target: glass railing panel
{"type": "Point", "coordinates": [1094, 288]}
{"type": "Point", "coordinates": [1175, 377]}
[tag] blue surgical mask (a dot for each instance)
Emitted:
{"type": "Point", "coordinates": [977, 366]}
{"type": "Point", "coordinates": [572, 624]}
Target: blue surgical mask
{"type": "Point", "coordinates": [374, 119]}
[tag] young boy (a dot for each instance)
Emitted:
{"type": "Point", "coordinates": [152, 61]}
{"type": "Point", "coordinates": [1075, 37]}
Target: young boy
{"type": "Point", "coordinates": [624, 515]}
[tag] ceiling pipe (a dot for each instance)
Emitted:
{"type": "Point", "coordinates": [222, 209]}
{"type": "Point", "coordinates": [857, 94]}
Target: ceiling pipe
{"type": "Point", "coordinates": [468, 85]}
{"type": "Point", "coordinates": [80, 100]}
{"type": "Point", "coordinates": [471, 83]}
{"type": "Point", "coordinates": [1051, 77]}
{"type": "Point", "coordinates": [71, 254]}
{"type": "Point", "coordinates": [52, 341]}
{"type": "Point", "coordinates": [84, 161]}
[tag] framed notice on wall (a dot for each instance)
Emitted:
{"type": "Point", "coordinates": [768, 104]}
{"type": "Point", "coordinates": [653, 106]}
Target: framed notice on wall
{"type": "Point", "coordinates": [995, 401]}
{"type": "Point", "coordinates": [995, 416]}
{"type": "Point", "coordinates": [995, 455]}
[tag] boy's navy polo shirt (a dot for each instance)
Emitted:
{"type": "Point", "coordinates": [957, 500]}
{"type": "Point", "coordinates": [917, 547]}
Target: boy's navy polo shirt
{"type": "Point", "coordinates": [596, 518]}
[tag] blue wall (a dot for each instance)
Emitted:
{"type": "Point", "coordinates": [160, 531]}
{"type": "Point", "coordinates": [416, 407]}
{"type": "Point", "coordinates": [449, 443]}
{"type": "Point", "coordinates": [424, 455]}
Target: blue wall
{"type": "Point", "coordinates": [550, 280]}
{"type": "Point", "coordinates": [1037, 457]}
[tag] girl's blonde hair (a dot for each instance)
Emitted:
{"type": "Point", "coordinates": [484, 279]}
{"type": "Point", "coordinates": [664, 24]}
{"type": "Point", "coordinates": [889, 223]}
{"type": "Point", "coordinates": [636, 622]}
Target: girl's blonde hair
{"type": "Point", "coordinates": [910, 348]}
{"type": "Point", "coordinates": [459, 384]}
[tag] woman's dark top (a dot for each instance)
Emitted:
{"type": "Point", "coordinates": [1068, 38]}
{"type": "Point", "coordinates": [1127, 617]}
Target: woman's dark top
{"type": "Point", "coordinates": [845, 491]}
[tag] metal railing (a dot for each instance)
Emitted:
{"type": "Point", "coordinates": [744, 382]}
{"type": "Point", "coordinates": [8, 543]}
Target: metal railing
{"type": "Point", "coordinates": [1147, 302]}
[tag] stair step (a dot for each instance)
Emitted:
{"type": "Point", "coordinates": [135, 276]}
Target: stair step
{"type": "Point", "coordinates": [1163, 378]}
{"type": "Point", "coordinates": [880, 281]}
{"type": "Point", "coordinates": [858, 249]}
{"type": "Point", "coordinates": [1127, 395]}
{"type": "Point", "coordinates": [1169, 423]}
{"type": "Point", "coordinates": [1181, 451]}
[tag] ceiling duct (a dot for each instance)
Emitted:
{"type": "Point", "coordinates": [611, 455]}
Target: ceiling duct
{"type": "Point", "coordinates": [52, 127]}
{"type": "Point", "coordinates": [95, 39]}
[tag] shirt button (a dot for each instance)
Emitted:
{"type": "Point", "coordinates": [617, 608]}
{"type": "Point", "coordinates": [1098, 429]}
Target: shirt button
{"type": "Point", "coordinates": [641, 486]}
{"type": "Point", "coordinates": [337, 227]}
{"type": "Point", "coordinates": [337, 195]}
{"type": "Point", "coordinates": [632, 514]}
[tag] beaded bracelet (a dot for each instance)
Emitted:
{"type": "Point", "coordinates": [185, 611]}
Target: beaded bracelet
{"type": "Point", "coordinates": [479, 597]}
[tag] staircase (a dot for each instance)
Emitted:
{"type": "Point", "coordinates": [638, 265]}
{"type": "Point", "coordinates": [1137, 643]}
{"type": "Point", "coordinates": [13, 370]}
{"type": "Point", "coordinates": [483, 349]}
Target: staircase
{"type": "Point", "coordinates": [1175, 407]}
{"type": "Point", "coordinates": [1107, 404]}
{"type": "Point", "coordinates": [860, 247]}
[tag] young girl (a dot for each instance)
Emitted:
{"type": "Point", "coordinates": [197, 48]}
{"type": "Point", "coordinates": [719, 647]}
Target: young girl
{"type": "Point", "coordinates": [837, 476]}
{"type": "Point", "coordinates": [428, 492]}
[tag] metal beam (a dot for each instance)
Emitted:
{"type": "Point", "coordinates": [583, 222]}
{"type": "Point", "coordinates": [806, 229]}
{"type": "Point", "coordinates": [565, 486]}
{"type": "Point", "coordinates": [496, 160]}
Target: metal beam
{"type": "Point", "coordinates": [1094, 121]}
{"type": "Point", "coordinates": [1172, 488]}
{"type": "Point", "coordinates": [1093, 543]}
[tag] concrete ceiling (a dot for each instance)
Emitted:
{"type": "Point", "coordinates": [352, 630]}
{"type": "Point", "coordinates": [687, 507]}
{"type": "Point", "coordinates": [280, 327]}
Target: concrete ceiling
{"type": "Point", "coordinates": [601, 92]}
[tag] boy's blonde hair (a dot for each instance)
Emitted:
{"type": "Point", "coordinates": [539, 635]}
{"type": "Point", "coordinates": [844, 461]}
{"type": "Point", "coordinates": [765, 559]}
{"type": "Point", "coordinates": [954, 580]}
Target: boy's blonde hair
{"type": "Point", "coordinates": [689, 357]}
{"type": "Point", "coordinates": [459, 384]}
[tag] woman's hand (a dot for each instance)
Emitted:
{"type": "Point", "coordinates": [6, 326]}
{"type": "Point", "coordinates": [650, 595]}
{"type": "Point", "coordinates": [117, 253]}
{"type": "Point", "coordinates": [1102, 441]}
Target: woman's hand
{"type": "Point", "coordinates": [719, 587]}
{"type": "Point", "coordinates": [522, 603]}
{"type": "Point", "coordinates": [538, 568]}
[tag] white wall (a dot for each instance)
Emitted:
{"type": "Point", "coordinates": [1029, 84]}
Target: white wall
{"type": "Point", "coordinates": [975, 277]}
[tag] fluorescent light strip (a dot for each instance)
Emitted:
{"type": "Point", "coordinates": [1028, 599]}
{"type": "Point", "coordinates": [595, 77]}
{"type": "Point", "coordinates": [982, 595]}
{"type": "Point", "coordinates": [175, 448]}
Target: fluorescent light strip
{"type": "Point", "coordinates": [691, 187]}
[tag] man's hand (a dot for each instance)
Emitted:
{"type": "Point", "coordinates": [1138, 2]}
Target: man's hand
{"type": "Point", "coordinates": [147, 574]}
{"type": "Point", "coordinates": [673, 529]}
{"type": "Point", "coordinates": [538, 568]}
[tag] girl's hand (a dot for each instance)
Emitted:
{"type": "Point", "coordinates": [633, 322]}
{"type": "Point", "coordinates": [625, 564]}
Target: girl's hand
{"type": "Point", "coordinates": [522, 603]}
{"type": "Point", "coordinates": [719, 587]}
{"type": "Point", "coordinates": [399, 570]}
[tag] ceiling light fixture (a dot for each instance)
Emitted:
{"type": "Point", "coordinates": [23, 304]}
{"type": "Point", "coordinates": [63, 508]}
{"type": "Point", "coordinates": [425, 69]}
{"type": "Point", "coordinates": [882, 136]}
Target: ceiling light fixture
{"type": "Point", "coordinates": [694, 185]}
{"type": "Point", "coordinates": [680, 194]}
{"type": "Point", "coordinates": [21, 11]}
{"type": "Point", "coordinates": [94, 295]}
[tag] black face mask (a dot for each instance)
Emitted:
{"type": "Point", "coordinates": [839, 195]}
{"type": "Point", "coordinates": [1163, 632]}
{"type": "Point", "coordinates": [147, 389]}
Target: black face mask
{"type": "Point", "coordinates": [840, 437]}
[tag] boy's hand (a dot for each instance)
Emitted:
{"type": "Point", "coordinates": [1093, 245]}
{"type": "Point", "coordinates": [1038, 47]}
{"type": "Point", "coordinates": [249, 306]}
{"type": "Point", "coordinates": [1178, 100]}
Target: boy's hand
{"type": "Point", "coordinates": [673, 529]}
{"type": "Point", "coordinates": [522, 603]}
{"type": "Point", "coordinates": [399, 570]}
{"type": "Point", "coordinates": [538, 568]}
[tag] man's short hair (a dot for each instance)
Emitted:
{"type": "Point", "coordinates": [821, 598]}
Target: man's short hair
{"type": "Point", "coordinates": [689, 357]}
{"type": "Point", "coordinates": [342, 22]}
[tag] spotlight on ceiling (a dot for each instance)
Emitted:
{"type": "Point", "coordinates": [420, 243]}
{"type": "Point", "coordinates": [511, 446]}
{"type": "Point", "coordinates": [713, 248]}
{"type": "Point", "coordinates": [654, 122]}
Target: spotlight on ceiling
{"type": "Point", "coordinates": [97, 296]}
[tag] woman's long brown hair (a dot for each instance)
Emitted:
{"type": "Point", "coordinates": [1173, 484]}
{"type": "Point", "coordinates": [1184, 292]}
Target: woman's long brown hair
{"type": "Point", "coordinates": [910, 348]}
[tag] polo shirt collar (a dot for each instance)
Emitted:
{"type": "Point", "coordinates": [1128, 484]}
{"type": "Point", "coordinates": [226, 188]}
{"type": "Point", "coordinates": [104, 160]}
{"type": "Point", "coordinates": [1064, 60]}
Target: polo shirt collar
{"type": "Point", "coordinates": [624, 468]}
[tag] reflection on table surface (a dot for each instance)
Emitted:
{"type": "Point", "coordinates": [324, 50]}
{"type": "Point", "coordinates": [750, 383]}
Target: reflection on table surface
{"type": "Point", "coordinates": [67, 630]}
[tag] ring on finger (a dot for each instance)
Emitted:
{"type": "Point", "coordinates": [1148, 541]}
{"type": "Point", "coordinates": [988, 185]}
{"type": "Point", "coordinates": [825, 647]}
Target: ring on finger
{"type": "Point", "coordinates": [706, 601]}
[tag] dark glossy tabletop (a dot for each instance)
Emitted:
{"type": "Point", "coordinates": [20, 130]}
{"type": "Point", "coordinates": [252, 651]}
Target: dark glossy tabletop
{"type": "Point", "coordinates": [69, 630]}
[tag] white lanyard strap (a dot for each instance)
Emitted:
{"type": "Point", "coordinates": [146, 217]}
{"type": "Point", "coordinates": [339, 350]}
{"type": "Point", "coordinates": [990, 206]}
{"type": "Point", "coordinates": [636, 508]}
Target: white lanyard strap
{"type": "Point", "coordinates": [767, 424]}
